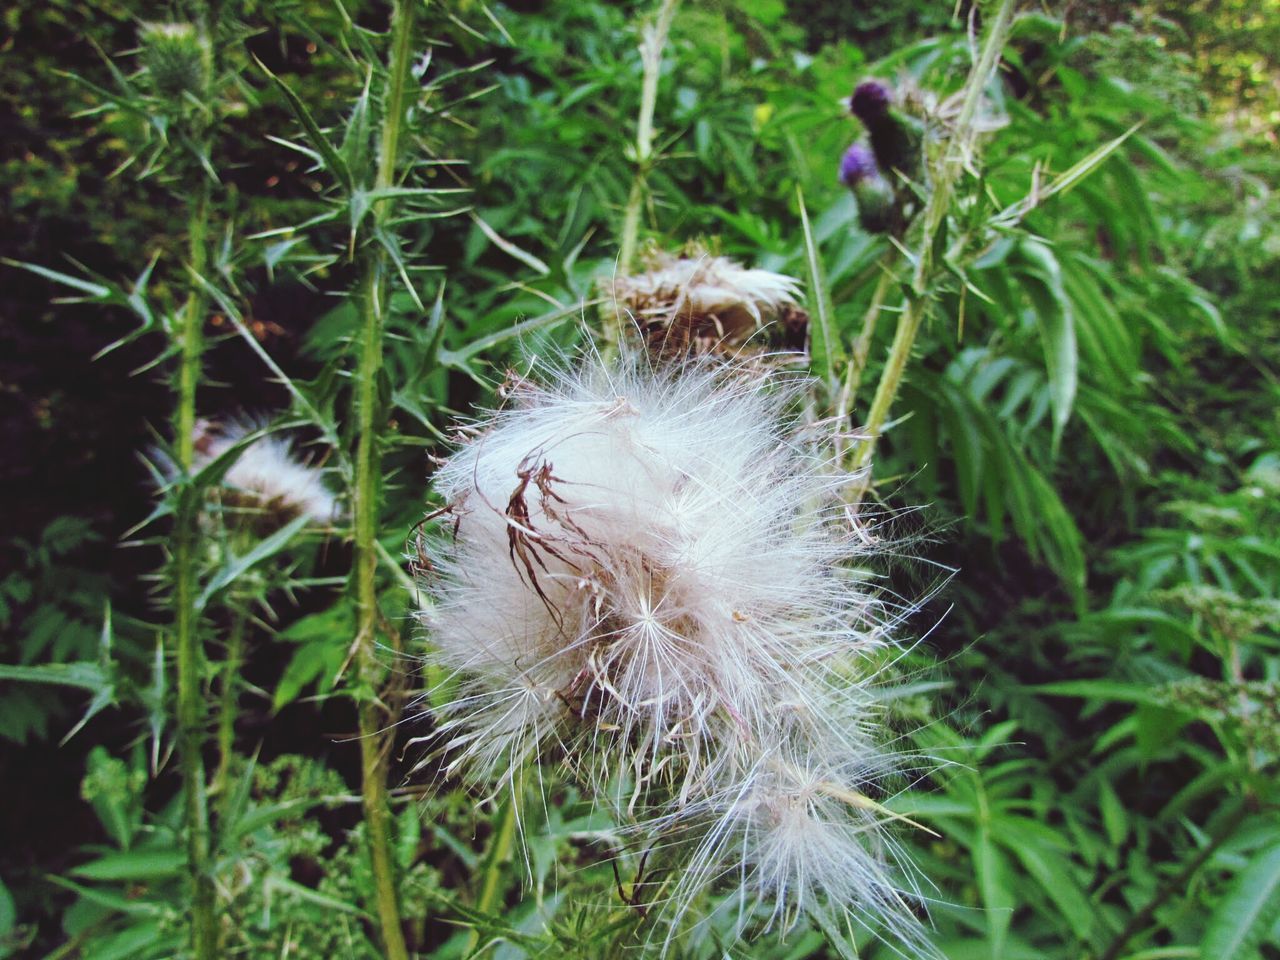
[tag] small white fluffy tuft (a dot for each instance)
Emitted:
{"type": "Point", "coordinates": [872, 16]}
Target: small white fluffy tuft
{"type": "Point", "coordinates": [648, 574]}
{"type": "Point", "coordinates": [267, 472]}
{"type": "Point", "coordinates": [705, 298]}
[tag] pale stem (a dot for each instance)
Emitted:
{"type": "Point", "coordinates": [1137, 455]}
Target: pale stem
{"type": "Point", "coordinates": [651, 47]}
{"type": "Point", "coordinates": [491, 871]}
{"type": "Point", "coordinates": [956, 156]}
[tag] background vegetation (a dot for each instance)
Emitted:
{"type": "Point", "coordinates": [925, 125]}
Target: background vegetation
{"type": "Point", "coordinates": [349, 222]}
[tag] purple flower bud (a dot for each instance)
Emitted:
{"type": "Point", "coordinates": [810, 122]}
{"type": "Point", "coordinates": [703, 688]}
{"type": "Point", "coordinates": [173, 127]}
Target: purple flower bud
{"type": "Point", "coordinates": [870, 100]}
{"type": "Point", "coordinates": [857, 164]}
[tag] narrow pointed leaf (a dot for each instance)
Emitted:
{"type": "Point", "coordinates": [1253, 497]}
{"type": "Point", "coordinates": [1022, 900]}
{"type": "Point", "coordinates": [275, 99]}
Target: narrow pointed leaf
{"type": "Point", "coordinates": [332, 160]}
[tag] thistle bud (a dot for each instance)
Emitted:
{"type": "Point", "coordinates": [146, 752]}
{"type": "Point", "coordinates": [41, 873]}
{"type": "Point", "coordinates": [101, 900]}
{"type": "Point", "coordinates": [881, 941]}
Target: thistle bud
{"type": "Point", "coordinates": [176, 56]}
{"type": "Point", "coordinates": [896, 139]}
{"type": "Point", "coordinates": [860, 173]}
{"type": "Point", "coordinates": [870, 100]}
{"type": "Point", "coordinates": [857, 164]}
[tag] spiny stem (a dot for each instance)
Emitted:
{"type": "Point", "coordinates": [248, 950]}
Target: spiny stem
{"type": "Point", "coordinates": [862, 345]}
{"type": "Point", "coordinates": [956, 155]}
{"type": "Point", "coordinates": [186, 535]}
{"type": "Point", "coordinates": [373, 717]}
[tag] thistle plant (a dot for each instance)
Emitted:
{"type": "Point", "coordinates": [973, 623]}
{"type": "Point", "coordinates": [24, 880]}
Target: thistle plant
{"type": "Point", "coordinates": [655, 597]}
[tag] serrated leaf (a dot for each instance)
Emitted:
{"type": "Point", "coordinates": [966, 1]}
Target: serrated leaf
{"type": "Point", "coordinates": [333, 161]}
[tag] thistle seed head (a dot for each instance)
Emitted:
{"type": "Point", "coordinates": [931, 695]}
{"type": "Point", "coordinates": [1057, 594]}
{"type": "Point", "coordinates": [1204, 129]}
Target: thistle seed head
{"type": "Point", "coordinates": [648, 574]}
{"type": "Point", "coordinates": [704, 303]}
{"type": "Point", "coordinates": [267, 476]}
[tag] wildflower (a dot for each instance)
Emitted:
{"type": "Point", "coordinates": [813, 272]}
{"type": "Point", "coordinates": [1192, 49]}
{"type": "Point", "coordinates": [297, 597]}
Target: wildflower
{"type": "Point", "coordinates": [703, 303]}
{"type": "Point", "coordinates": [870, 100]}
{"type": "Point", "coordinates": [858, 172]}
{"type": "Point", "coordinates": [266, 474]}
{"type": "Point", "coordinates": [896, 139]}
{"type": "Point", "coordinates": [646, 572]}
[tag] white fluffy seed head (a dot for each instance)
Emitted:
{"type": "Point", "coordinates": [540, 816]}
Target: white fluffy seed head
{"type": "Point", "coordinates": [267, 473]}
{"type": "Point", "coordinates": [647, 573]}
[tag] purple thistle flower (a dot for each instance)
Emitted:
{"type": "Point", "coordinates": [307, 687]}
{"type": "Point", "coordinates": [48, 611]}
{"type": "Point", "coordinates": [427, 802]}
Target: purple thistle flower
{"type": "Point", "coordinates": [870, 100]}
{"type": "Point", "coordinates": [858, 164]}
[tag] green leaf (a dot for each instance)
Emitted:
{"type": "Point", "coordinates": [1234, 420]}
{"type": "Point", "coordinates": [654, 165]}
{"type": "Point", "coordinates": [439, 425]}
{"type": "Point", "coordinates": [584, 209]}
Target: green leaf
{"type": "Point", "coordinates": [237, 566]}
{"type": "Point", "coordinates": [294, 889]}
{"type": "Point", "coordinates": [1051, 870]}
{"type": "Point", "coordinates": [333, 161]}
{"type": "Point", "coordinates": [1055, 319]}
{"type": "Point", "coordinates": [97, 291]}
{"type": "Point", "coordinates": [825, 344]}
{"type": "Point", "coordinates": [129, 905]}
{"type": "Point", "coordinates": [458, 358]}
{"type": "Point", "coordinates": [993, 884]}
{"type": "Point", "coordinates": [87, 676]}
{"type": "Point", "coordinates": [133, 865]}
{"type": "Point", "coordinates": [1245, 915]}
{"type": "Point", "coordinates": [1101, 690]}
{"type": "Point", "coordinates": [139, 940]}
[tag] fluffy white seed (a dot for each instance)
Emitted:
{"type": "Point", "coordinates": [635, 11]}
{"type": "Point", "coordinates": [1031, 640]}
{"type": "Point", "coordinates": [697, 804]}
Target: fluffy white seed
{"type": "Point", "coordinates": [267, 471]}
{"type": "Point", "coordinates": [649, 574]}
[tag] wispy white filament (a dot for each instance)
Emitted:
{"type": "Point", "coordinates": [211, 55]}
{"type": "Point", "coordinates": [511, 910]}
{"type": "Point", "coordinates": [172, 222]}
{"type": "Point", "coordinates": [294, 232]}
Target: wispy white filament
{"type": "Point", "coordinates": [650, 574]}
{"type": "Point", "coordinates": [267, 471]}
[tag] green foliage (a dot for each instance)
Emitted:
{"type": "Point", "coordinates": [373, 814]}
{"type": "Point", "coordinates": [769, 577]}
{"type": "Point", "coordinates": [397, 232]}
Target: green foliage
{"type": "Point", "coordinates": [1088, 409]}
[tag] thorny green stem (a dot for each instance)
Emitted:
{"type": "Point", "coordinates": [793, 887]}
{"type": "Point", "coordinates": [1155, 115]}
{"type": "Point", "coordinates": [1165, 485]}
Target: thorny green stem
{"type": "Point", "coordinates": [374, 719]}
{"type": "Point", "coordinates": [491, 873]}
{"type": "Point", "coordinates": [956, 156]}
{"type": "Point", "coordinates": [192, 711]}
{"type": "Point", "coordinates": [186, 535]}
{"type": "Point", "coordinates": [862, 345]}
{"type": "Point", "coordinates": [651, 46]}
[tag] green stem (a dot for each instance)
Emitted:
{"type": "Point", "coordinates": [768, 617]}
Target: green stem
{"type": "Point", "coordinates": [956, 156]}
{"type": "Point", "coordinates": [186, 535]}
{"type": "Point", "coordinates": [491, 872]}
{"type": "Point", "coordinates": [862, 345]}
{"type": "Point", "coordinates": [651, 47]}
{"type": "Point", "coordinates": [228, 704]}
{"type": "Point", "coordinates": [373, 715]}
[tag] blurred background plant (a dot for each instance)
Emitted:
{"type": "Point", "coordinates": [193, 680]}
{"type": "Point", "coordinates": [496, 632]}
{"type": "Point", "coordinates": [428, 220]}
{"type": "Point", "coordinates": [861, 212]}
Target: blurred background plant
{"type": "Point", "coordinates": [358, 214]}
